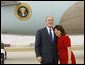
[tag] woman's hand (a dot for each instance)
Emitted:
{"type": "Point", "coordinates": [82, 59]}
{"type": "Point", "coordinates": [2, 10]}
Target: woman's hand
{"type": "Point", "coordinates": [69, 62]}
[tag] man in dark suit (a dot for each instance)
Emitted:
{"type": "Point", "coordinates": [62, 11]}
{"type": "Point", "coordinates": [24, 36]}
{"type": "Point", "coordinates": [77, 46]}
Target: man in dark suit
{"type": "Point", "coordinates": [45, 44]}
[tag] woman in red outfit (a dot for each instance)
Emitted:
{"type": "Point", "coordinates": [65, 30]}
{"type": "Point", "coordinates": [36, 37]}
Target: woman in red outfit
{"type": "Point", "coordinates": [66, 56]}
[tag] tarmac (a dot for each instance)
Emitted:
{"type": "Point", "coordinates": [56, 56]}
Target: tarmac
{"type": "Point", "coordinates": [30, 58]}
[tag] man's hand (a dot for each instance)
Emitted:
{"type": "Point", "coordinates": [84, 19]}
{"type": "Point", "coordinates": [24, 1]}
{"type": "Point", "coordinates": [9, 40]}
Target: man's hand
{"type": "Point", "coordinates": [39, 59]}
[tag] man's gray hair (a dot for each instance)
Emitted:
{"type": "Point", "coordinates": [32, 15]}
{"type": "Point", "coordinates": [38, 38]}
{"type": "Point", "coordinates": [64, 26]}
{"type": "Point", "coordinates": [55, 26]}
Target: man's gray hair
{"type": "Point", "coordinates": [48, 16]}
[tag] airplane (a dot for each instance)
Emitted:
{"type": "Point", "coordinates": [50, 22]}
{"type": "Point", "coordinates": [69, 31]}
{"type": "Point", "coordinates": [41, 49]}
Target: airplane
{"type": "Point", "coordinates": [26, 17]}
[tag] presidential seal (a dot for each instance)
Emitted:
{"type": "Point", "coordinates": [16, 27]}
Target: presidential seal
{"type": "Point", "coordinates": [23, 11]}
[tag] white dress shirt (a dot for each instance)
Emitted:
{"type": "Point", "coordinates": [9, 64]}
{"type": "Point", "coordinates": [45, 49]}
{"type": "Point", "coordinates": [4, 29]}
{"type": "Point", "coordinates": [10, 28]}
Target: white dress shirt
{"type": "Point", "coordinates": [48, 29]}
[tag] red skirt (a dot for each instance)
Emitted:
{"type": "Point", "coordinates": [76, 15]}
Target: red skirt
{"type": "Point", "coordinates": [65, 61]}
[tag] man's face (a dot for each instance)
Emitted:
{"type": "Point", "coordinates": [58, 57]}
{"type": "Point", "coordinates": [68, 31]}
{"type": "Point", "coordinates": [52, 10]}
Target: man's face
{"type": "Point", "coordinates": [49, 22]}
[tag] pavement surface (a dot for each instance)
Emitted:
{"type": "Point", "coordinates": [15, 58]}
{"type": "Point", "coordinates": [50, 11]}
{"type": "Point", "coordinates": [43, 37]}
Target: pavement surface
{"type": "Point", "coordinates": [29, 57]}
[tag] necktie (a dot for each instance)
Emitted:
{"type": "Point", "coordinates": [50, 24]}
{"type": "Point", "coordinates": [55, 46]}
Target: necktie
{"type": "Point", "coordinates": [51, 36]}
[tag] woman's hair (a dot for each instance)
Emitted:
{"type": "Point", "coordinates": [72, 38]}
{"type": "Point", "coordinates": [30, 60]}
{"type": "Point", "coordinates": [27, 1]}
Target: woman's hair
{"type": "Point", "coordinates": [59, 27]}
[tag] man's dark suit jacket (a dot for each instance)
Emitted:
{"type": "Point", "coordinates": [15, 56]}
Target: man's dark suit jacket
{"type": "Point", "coordinates": [44, 47]}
